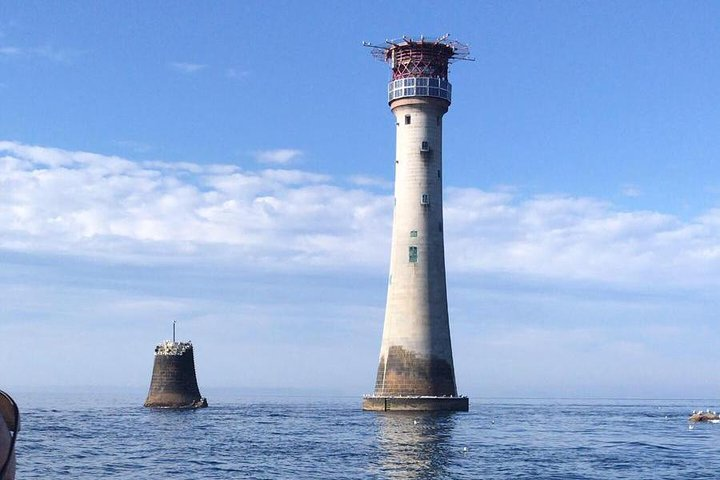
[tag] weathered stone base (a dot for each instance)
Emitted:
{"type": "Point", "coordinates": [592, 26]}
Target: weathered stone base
{"type": "Point", "coordinates": [173, 383]}
{"type": "Point", "coordinates": [421, 404]}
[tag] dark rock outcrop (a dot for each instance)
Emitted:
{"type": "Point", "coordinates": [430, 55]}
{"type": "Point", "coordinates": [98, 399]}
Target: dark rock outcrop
{"type": "Point", "coordinates": [704, 417]}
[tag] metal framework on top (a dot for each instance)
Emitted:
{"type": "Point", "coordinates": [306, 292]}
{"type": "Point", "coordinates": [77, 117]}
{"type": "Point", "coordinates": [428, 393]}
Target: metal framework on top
{"type": "Point", "coordinates": [420, 58]}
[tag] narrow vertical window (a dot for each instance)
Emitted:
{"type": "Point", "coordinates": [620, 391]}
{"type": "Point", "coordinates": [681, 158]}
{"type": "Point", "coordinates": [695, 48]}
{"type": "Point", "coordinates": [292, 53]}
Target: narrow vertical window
{"type": "Point", "coordinates": [440, 226]}
{"type": "Point", "coordinates": [425, 199]}
{"type": "Point", "coordinates": [412, 254]}
{"type": "Point", "coordinates": [424, 147]}
{"type": "Point", "coordinates": [413, 233]}
{"type": "Point", "coordinates": [407, 119]}
{"type": "Point", "coordinates": [439, 174]}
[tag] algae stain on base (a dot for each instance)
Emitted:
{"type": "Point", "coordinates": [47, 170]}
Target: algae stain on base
{"type": "Point", "coordinates": [406, 373]}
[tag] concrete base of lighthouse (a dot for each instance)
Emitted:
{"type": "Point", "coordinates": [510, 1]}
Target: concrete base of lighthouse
{"type": "Point", "coordinates": [174, 384]}
{"type": "Point", "coordinates": [416, 404]}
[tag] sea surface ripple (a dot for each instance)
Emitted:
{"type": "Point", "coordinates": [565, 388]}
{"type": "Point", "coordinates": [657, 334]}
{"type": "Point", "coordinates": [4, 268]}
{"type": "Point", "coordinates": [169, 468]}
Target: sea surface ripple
{"type": "Point", "coordinates": [269, 437]}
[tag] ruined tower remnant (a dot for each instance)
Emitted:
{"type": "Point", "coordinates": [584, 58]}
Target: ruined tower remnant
{"type": "Point", "coordinates": [416, 366]}
{"type": "Point", "coordinates": [173, 383]}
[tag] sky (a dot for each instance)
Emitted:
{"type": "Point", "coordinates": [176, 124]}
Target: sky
{"type": "Point", "coordinates": [229, 166]}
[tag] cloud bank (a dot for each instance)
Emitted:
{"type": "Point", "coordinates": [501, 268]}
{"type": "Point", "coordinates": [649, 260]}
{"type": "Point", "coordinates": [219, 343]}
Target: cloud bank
{"type": "Point", "coordinates": [87, 204]}
{"type": "Point", "coordinates": [84, 204]}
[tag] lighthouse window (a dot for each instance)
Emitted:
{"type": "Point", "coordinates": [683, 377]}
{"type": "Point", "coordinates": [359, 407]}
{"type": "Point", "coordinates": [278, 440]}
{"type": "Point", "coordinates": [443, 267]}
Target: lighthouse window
{"type": "Point", "coordinates": [424, 146]}
{"type": "Point", "coordinates": [439, 174]}
{"type": "Point", "coordinates": [412, 254]}
{"type": "Point", "coordinates": [425, 199]}
{"type": "Point", "coordinates": [407, 119]}
{"type": "Point", "coordinates": [413, 233]}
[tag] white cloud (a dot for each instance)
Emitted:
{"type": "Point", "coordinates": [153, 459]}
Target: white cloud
{"type": "Point", "coordinates": [86, 204]}
{"type": "Point", "coordinates": [80, 203]}
{"type": "Point", "coordinates": [11, 51]}
{"type": "Point", "coordinates": [186, 67]}
{"type": "Point", "coordinates": [134, 146]}
{"type": "Point", "coordinates": [580, 239]}
{"type": "Point", "coordinates": [236, 73]}
{"type": "Point", "coordinates": [630, 190]}
{"type": "Point", "coordinates": [280, 156]}
{"type": "Point", "coordinates": [370, 181]}
{"type": "Point", "coordinates": [47, 52]}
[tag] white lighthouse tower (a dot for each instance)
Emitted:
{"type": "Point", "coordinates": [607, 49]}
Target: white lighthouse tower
{"type": "Point", "coordinates": [416, 370]}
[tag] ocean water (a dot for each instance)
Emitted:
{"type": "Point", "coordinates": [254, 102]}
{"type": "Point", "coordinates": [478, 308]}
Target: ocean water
{"type": "Point", "coordinates": [110, 435]}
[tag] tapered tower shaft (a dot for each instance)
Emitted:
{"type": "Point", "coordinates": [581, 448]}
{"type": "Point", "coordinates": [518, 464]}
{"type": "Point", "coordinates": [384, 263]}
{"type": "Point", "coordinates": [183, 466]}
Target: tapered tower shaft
{"type": "Point", "coordinates": [416, 352]}
{"type": "Point", "coordinates": [416, 355]}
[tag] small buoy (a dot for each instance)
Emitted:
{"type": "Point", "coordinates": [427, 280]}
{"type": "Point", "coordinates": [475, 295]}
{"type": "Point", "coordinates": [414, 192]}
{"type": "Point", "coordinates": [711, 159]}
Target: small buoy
{"type": "Point", "coordinates": [464, 449]}
{"type": "Point", "coordinates": [414, 422]}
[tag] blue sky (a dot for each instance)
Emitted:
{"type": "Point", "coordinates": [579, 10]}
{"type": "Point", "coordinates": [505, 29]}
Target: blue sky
{"type": "Point", "coordinates": [229, 166]}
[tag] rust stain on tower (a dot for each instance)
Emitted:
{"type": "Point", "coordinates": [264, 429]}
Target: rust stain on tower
{"type": "Point", "coordinates": [415, 370]}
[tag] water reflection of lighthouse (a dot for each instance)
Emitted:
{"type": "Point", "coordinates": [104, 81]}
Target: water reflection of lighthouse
{"type": "Point", "coordinates": [414, 446]}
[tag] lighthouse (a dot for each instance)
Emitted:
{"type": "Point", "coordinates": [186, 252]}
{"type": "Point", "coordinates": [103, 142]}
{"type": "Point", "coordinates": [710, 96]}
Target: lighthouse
{"type": "Point", "coordinates": [415, 370]}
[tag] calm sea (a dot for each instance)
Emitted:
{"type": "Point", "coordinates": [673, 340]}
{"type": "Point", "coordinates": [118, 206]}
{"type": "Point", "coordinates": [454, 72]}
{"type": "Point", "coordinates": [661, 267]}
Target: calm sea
{"type": "Point", "coordinates": [110, 435]}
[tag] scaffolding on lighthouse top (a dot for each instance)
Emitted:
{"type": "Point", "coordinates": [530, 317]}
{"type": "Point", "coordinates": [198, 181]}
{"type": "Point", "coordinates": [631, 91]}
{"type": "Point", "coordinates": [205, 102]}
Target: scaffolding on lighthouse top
{"type": "Point", "coordinates": [420, 67]}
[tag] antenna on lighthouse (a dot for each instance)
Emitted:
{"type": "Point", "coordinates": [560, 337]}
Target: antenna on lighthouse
{"type": "Point", "coordinates": [173, 331]}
